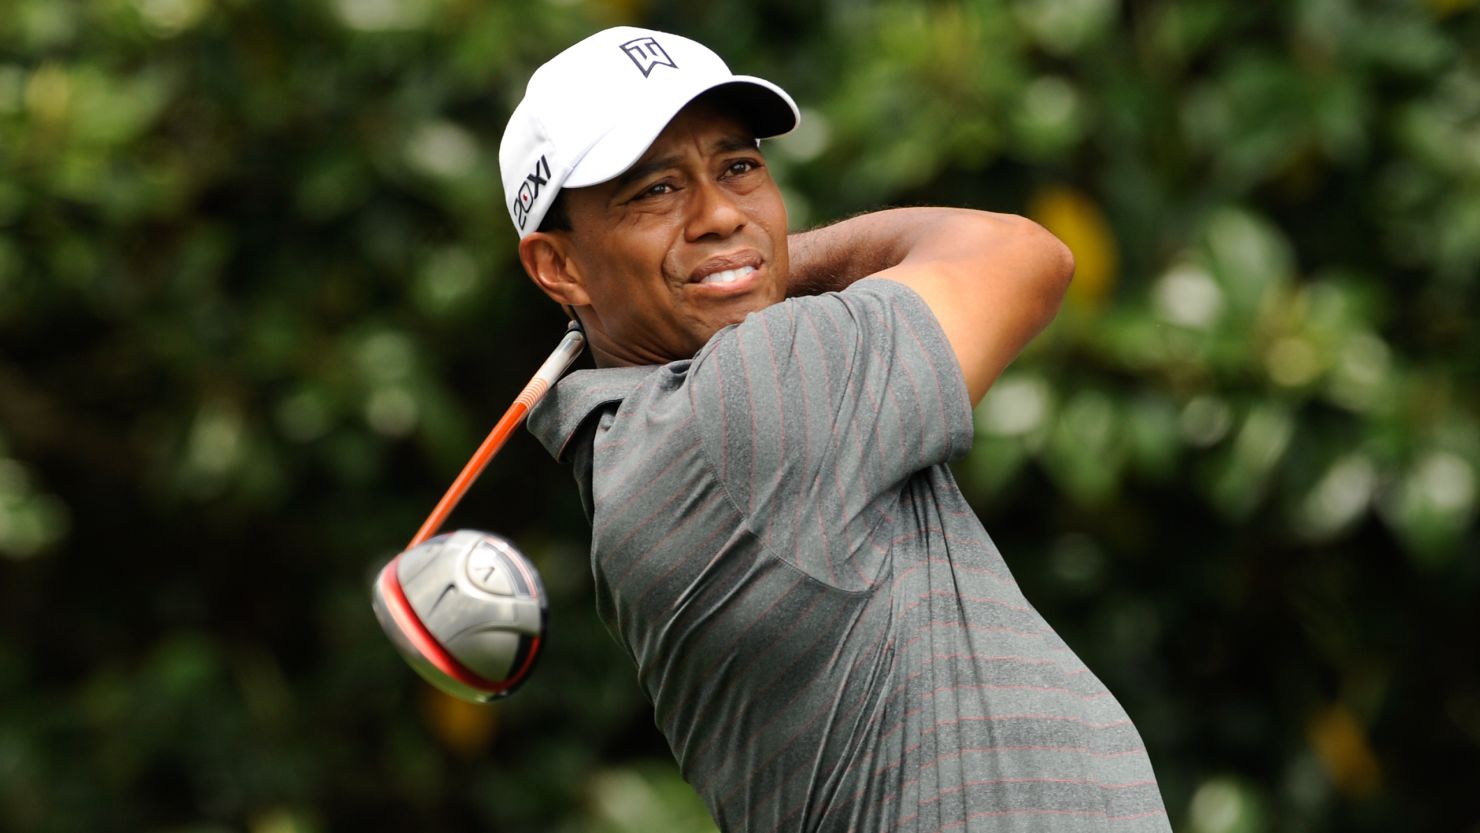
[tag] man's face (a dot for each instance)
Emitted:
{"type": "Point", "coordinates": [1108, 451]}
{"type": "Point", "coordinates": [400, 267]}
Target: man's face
{"type": "Point", "coordinates": [690, 239]}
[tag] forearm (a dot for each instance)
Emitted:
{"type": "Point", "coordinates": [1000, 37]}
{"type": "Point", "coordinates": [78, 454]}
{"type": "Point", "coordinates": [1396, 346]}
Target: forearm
{"type": "Point", "coordinates": [832, 257]}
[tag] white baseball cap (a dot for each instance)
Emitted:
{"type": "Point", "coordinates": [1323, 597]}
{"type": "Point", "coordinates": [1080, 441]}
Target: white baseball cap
{"type": "Point", "coordinates": [591, 112]}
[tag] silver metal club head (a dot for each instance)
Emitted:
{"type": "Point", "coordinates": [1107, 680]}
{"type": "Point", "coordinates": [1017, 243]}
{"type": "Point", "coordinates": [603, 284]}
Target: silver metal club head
{"type": "Point", "coordinates": [467, 610]}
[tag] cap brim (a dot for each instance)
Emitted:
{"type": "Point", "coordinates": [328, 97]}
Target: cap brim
{"type": "Point", "coordinates": [765, 106]}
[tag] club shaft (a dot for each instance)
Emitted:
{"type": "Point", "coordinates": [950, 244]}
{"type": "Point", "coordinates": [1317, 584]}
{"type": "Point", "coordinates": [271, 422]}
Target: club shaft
{"type": "Point", "coordinates": [542, 381]}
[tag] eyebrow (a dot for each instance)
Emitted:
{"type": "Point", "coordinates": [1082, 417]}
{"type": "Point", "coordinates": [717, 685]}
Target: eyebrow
{"type": "Point", "coordinates": [728, 144]}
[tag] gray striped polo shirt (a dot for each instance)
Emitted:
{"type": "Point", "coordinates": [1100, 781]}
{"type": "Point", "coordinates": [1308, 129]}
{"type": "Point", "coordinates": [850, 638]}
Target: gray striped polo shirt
{"type": "Point", "coordinates": [830, 640]}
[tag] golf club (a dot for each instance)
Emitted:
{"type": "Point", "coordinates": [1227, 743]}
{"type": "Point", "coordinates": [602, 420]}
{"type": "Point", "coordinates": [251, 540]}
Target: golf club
{"type": "Point", "coordinates": [466, 609]}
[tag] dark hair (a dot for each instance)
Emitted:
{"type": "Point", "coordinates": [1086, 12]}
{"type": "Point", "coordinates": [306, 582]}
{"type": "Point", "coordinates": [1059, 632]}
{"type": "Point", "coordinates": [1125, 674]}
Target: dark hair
{"type": "Point", "coordinates": [557, 218]}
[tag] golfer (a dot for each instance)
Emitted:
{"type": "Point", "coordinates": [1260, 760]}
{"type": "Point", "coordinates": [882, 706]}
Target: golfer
{"type": "Point", "coordinates": [830, 640]}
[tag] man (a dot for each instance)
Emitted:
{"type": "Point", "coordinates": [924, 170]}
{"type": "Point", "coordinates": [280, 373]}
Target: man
{"type": "Point", "coordinates": [830, 640]}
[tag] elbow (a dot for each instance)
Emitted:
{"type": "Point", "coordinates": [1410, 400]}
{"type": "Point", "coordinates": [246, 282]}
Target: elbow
{"type": "Point", "coordinates": [1051, 268]}
{"type": "Point", "coordinates": [1058, 261]}
{"type": "Point", "coordinates": [1064, 259]}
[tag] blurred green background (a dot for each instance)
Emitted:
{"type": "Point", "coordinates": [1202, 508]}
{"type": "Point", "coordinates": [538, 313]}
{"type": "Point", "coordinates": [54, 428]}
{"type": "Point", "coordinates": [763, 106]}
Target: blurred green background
{"type": "Point", "coordinates": [259, 300]}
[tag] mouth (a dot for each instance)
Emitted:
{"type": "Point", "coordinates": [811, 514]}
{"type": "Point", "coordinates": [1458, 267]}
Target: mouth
{"type": "Point", "coordinates": [731, 272]}
{"type": "Point", "coordinates": [726, 277]}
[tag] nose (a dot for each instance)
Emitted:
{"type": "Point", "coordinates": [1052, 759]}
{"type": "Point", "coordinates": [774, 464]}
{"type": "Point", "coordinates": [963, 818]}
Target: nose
{"type": "Point", "coordinates": [714, 212]}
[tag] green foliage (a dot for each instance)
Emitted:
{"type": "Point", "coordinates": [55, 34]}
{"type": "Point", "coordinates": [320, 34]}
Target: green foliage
{"type": "Point", "coordinates": [259, 299]}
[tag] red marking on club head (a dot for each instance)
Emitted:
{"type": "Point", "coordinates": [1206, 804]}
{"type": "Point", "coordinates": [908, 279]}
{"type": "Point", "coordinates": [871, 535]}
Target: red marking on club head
{"type": "Point", "coordinates": [422, 639]}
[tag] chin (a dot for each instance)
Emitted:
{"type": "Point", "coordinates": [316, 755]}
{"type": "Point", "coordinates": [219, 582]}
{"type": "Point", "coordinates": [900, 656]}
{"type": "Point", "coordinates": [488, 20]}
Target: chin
{"type": "Point", "coordinates": [733, 313]}
{"type": "Point", "coordinates": [741, 312]}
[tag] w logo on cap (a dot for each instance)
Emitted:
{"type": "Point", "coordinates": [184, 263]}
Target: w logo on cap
{"type": "Point", "coordinates": [647, 54]}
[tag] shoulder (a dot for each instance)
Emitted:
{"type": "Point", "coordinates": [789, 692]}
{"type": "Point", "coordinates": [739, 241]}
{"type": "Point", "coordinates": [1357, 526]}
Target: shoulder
{"type": "Point", "coordinates": [867, 303]}
{"type": "Point", "coordinates": [830, 330]}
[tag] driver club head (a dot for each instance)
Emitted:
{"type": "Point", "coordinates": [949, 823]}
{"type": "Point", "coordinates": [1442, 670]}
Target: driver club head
{"type": "Point", "coordinates": [467, 610]}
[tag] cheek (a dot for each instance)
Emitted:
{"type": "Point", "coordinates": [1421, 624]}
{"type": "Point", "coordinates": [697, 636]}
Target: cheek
{"type": "Point", "coordinates": [770, 212]}
{"type": "Point", "coordinates": [615, 265]}
{"type": "Point", "coordinates": [627, 284]}
{"type": "Point", "coordinates": [768, 209]}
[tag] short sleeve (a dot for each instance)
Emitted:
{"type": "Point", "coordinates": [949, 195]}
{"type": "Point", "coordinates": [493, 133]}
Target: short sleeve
{"type": "Point", "coordinates": [817, 411]}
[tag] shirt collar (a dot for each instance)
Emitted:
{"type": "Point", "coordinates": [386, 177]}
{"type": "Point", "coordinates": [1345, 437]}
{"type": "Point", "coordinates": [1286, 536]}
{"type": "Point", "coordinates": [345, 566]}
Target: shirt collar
{"type": "Point", "coordinates": [556, 418]}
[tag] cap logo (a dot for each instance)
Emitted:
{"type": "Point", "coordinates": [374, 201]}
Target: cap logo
{"type": "Point", "coordinates": [647, 54]}
{"type": "Point", "coordinates": [529, 191]}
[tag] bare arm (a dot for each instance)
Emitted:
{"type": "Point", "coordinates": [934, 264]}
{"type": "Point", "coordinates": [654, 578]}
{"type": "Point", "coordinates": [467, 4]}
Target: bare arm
{"type": "Point", "coordinates": [993, 281]}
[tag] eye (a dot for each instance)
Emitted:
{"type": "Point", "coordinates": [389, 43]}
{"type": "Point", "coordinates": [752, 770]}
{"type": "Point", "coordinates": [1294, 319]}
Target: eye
{"type": "Point", "coordinates": [657, 189]}
{"type": "Point", "coordinates": [741, 166]}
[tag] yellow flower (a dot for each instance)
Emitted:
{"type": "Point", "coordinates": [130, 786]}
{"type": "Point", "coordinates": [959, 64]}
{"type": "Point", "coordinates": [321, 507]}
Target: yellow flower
{"type": "Point", "coordinates": [1075, 219]}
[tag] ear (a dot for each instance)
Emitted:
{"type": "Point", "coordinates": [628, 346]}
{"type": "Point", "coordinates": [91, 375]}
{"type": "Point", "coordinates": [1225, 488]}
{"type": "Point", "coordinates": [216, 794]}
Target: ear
{"type": "Point", "coordinates": [547, 259]}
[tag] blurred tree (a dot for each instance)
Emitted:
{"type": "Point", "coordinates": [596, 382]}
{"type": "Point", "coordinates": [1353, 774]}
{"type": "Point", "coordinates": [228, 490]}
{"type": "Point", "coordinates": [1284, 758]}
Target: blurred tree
{"type": "Point", "coordinates": [258, 300]}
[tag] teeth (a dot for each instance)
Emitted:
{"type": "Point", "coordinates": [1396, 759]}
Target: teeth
{"type": "Point", "coordinates": [729, 275]}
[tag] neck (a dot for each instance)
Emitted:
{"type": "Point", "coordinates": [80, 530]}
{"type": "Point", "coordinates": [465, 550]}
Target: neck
{"type": "Point", "coordinates": [608, 354]}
